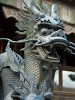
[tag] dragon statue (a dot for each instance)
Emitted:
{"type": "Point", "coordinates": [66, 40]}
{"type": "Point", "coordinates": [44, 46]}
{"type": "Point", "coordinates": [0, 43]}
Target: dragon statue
{"type": "Point", "coordinates": [32, 78]}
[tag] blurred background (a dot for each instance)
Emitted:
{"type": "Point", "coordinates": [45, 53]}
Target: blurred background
{"type": "Point", "coordinates": [64, 83]}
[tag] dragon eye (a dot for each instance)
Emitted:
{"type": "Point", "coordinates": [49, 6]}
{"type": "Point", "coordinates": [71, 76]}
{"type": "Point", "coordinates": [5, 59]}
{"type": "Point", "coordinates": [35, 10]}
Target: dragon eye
{"type": "Point", "coordinates": [44, 31]}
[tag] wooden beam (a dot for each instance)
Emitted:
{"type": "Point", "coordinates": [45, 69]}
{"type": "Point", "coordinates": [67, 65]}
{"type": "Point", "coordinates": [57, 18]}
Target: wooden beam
{"type": "Point", "coordinates": [69, 68]}
{"type": "Point", "coordinates": [9, 12]}
{"type": "Point", "coordinates": [64, 93]}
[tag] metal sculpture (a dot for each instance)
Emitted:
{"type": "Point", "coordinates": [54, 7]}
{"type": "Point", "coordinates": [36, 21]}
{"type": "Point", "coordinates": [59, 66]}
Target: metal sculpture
{"type": "Point", "coordinates": [12, 59]}
{"type": "Point", "coordinates": [44, 34]}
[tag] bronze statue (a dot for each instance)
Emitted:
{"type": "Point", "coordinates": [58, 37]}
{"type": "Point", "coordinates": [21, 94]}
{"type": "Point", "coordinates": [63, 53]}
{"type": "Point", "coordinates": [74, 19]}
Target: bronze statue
{"type": "Point", "coordinates": [44, 35]}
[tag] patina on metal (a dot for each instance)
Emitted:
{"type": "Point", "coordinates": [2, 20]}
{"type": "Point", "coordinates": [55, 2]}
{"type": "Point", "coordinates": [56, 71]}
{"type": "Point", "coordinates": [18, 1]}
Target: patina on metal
{"type": "Point", "coordinates": [12, 59]}
{"type": "Point", "coordinates": [44, 35]}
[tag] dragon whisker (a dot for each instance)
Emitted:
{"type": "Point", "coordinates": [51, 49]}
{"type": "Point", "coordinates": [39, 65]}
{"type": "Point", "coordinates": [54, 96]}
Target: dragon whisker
{"type": "Point", "coordinates": [19, 41]}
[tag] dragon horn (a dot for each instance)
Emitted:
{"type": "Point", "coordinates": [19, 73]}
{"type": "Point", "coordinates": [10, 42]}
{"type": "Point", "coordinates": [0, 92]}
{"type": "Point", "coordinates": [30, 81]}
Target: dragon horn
{"type": "Point", "coordinates": [53, 9]}
{"type": "Point", "coordinates": [31, 6]}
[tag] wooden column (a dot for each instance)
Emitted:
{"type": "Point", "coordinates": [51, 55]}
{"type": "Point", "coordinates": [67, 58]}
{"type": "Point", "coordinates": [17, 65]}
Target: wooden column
{"type": "Point", "coordinates": [1, 47]}
{"type": "Point", "coordinates": [60, 77]}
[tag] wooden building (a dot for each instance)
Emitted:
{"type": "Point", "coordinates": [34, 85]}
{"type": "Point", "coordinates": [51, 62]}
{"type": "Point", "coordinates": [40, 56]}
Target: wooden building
{"type": "Point", "coordinates": [66, 10]}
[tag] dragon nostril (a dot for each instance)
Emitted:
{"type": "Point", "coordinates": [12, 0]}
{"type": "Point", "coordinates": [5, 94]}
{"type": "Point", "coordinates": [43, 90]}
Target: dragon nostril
{"type": "Point", "coordinates": [57, 34]}
{"type": "Point", "coordinates": [48, 20]}
{"type": "Point", "coordinates": [41, 20]}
